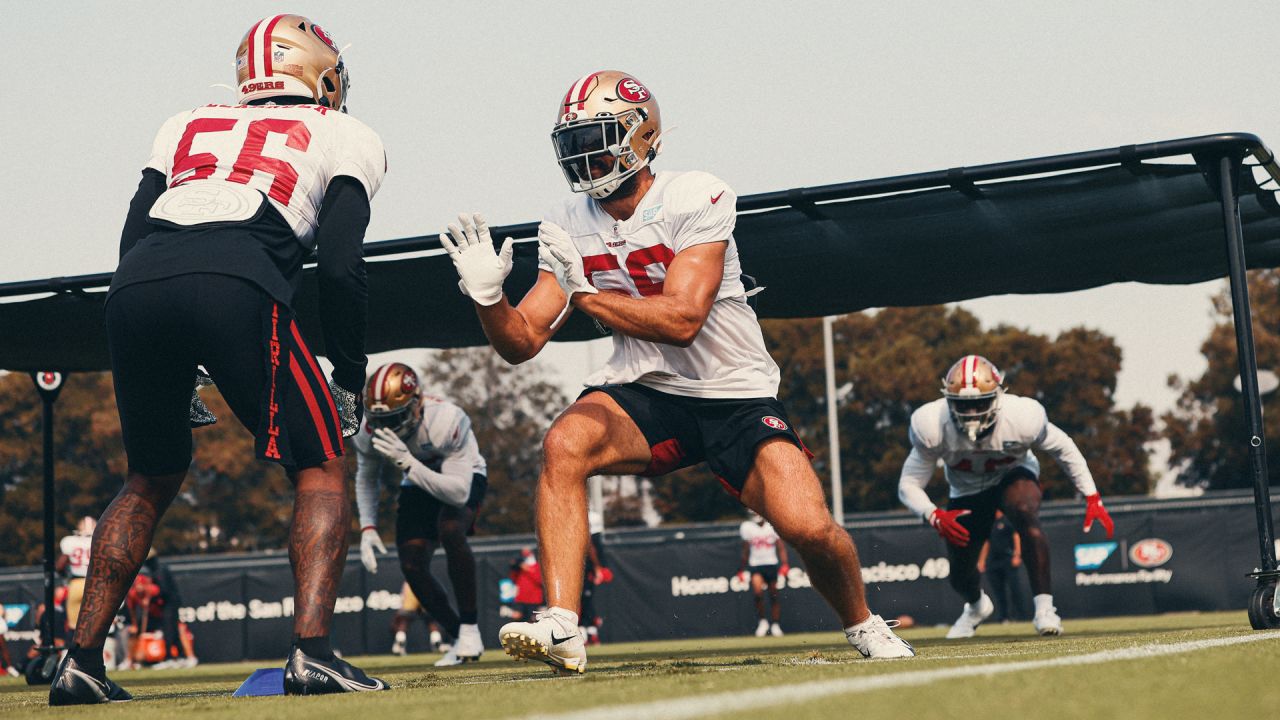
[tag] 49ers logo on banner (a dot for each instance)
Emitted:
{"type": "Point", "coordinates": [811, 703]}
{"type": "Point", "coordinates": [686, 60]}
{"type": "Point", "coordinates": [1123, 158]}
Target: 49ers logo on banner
{"type": "Point", "coordinates": [631, 90]}
{"type": "Point", "coordinates": [773, 422]}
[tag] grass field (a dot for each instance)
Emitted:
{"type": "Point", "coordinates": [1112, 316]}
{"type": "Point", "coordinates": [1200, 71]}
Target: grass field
{"type": "Point", "coordinates": [1172, 666]}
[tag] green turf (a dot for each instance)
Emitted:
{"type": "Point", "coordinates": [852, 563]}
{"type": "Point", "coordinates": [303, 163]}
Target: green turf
{"type": "Point", "coordinates": [1220, 683]}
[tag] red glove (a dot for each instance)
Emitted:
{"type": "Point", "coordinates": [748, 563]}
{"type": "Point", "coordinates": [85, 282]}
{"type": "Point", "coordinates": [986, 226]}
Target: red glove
{"type": "Point", "coordinates": [782, 571]}
{"type": "Point", "coordinates": [1094, 511]}
{"type": "Point", "coordinates": [744, 576]}
{"type": "Point", "coordinates": [949, 527]}
{"type": "Point", "coordinates": [603, 575]}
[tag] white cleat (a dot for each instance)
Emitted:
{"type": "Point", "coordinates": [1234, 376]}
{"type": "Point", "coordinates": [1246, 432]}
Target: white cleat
{"type": "Point", "coordinates": [398, 647]}
{"type": "Point", "coordinates": [467, 648]}
{"type": "Point", "coordinates": [551, 638]}
{"type": "Point", "coordinates": [1047, 622]}
{"type": "Point", "coordinates": [874, 638]}
{"type": "Point", "coordinates": [775, 630]}
{"type": "Point", "coordinates": [763, 628]}
{"type": "Point", "coordinates": [971, 618]}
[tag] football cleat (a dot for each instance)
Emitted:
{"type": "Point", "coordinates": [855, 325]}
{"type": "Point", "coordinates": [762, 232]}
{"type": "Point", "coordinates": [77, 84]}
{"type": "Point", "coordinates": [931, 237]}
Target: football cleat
{"type": "Point", "coordinates": [775, 630]}
{"type": "Point", "coordinates": [73, 686]}
{"type": "Point", "coordinates": [398, 647]}
{"type": "Point", "coordinates": [551, 638]}
{"type": "Point", "coordinates": [468, 647]}
{"type": "Point", "coordinates": [971, 618]}
{"type": "Point", "coordinates": [874, 638]}
{"type": "Point", "coordinates": [306, 675]}
{"type": "Point", "coordinates": [762, 628]}
{"type": "Point", "coordinates": [1047, 622]}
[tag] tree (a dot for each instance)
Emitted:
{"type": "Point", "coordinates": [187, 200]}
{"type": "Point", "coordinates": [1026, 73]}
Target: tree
{"type": "Point", "coordinates": [1207, 430]}
{"type": "Point", "coordinates": [891, 362]}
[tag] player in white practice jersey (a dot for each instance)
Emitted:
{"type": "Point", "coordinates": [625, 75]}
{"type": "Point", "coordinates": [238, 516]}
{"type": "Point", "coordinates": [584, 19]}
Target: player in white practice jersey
{"type": "Point", "coordinates": [984, 438]}
{"type": "Point", "coordinates": [427, 443]}
{"type": "Point", "coordinates": [652, 257]}
{"type": "Point", "coordinates": [764, 558]}
{"type": "Point", "coordinates": [233, 200]}
{"type": "Point", "coordinates": [74, 561]}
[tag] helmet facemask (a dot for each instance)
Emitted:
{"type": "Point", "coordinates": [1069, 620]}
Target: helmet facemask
{"type": "Point", "coordinates": [975, 415]}
{"type": "Point", "coordinates": [602, 144]}
{"type": "Point", "coordinates": [402, 421]}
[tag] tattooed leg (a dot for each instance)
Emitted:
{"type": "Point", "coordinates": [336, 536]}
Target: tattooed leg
{"type": "Point", "coordinates": [120, 544]}
{"type": "Point", "coordinates": [318, 545]}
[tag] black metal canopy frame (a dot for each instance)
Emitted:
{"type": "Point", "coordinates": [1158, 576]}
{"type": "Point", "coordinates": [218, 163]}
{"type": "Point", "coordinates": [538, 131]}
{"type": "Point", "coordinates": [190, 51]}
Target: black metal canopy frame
{"type": "Point", "coordinates": [1057, 223]}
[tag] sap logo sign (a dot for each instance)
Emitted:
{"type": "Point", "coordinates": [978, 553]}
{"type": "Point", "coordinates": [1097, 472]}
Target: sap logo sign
{"type": "Point", "coordinates": [1090, 556]}
{"type": "Point", "coordinates": [14, 613]}
{"type": "Point", "coordinates": [1151, 552]}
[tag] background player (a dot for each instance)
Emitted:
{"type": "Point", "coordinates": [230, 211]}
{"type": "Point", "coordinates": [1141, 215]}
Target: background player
{"type": "Point", "coordinates": [984, 438]}
{"type": "Point", "coordinates": [410, 608]}
{"type": "Point", "coordinates": [428, 443]}
{"type": "Point", "coordinates": [763, 559]}
{"type": "Point", "coordinates": [689, 379]}
{"type": "Point", "coordinates": [74, 561]}
{"type": "Point", "coordinates": [231, 203]}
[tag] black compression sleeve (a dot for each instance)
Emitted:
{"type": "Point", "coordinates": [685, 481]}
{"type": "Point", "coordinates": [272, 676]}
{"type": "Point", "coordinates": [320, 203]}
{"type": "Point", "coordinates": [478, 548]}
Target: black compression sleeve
{"type": "Point", "coordinates": [344, 296]}
{"type": "Point", "coordinates": [136, 226]}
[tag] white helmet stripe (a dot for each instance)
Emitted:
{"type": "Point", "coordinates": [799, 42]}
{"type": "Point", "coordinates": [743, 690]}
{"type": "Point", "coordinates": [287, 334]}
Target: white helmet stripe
{"type": "Point", "coordinates": [260, 46]}
{"type": "Point", "coordinates": [970, 367]}
{"type": "Point", "coordinates": [379, 383]}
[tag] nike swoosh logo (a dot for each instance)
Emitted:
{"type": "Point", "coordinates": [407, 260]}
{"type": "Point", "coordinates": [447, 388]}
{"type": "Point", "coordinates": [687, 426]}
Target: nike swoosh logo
{"type": "Point", "coordinates": [716, 199]}
{"type": "Point", "coordinates": [557, 640]}
{"type": "Point", "coordinates": [348, 682]}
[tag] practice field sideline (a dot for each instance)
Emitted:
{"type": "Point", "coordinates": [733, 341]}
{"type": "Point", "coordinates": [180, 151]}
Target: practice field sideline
{"type": "Point", "coordinates": [1143, 667]}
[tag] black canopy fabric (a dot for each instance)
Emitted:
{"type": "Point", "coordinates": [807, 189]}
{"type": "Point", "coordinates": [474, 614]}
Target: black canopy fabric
{"type": "Point", "coordinates": [1055, 233]}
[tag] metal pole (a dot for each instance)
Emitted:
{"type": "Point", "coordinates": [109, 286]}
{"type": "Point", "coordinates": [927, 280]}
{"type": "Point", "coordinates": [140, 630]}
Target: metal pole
{"type": "Point", "coordinates": [833, 429]}
{"type": "Point", "coordinates": [1228, 167]}
{"type": "Point", "coordinates": [47, 631]}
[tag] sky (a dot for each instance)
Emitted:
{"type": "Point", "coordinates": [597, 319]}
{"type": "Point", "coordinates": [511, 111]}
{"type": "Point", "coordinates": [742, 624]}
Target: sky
{"type": "Point", "coordinates": [768, 96]}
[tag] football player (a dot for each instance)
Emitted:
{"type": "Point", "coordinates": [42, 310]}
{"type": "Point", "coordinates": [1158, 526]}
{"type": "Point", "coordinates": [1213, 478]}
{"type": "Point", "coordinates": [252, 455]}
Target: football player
{"type": "Point", "coordinates": [763, 560]}
{"type": "Point", "coordinates": [74, 561]}
{"type": "Point", "coordinates": [428, 443]}
{"type": "Point", "coordinates": [652, 257]}
{"type": "Point", "coordinates": [232, 201]}
{"type": "Point", "coordinates": [984, 438]}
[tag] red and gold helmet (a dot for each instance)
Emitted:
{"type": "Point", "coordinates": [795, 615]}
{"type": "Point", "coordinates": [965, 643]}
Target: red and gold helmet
{"type": "Point", "coordinates": [290, 55]}
{"type": "Point", "coordinates": [393, 399]}
{"type": "Point", "coordinates": [973, 390]}
{"type": "Point", "coordinates": [607, 128]}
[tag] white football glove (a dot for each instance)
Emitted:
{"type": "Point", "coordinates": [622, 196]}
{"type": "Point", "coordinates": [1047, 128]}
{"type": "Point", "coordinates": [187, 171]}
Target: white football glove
{"type": "Point", "coordinates": [369, 541]}
{"type": "Point", "coordinates": [556, 249]}
{"type": "Point", "coordinates": [481, 270]}
{"type": "Point", "coordinates": [390, 446]}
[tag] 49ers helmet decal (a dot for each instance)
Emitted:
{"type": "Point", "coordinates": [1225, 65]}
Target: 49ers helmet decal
{"type": "Point", "coordinates": [973, 388]}
{"type": "Point", "coordinates": [290, 55]}
{"type": "Point", "coordinates": [608, 127]}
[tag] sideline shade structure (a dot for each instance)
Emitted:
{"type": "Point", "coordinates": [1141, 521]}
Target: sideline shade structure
{"type": "Point", "coordinates": [1052, 224]}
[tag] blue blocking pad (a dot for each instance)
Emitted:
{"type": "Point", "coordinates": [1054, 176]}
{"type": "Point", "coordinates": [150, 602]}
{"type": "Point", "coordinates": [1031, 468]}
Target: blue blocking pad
{"type": "Point", "coordinates": [263, 682]}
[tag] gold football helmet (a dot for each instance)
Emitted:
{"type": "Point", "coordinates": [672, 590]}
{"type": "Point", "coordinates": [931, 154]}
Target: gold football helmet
{"type": "Point", "coordinates": [973, 390]}
{"type": "Point", "coordinates": [393, 399]}
{"type": "Point", "coordinates": [290, 55]}
{"type": "Point", "coordinates": [607, 127]}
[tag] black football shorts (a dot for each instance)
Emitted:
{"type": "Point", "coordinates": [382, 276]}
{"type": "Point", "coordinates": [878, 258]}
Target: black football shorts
{"type": "Point", "coordinates": [683, 431]}
{"type": "Point", "coordinates": [158, 331]}
{"type": "Point", "coordinates": [418, 512]}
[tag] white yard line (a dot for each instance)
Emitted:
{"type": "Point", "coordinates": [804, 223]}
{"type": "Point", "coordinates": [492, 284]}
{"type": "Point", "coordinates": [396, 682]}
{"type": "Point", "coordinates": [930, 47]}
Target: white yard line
{"type": "Point", "coordinates": [724, 702]}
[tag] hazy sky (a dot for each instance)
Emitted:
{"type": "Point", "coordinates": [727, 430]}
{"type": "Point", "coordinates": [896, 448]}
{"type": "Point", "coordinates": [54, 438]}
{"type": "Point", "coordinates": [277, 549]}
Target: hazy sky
{"type": "Point", "coordinates": [768, 96]}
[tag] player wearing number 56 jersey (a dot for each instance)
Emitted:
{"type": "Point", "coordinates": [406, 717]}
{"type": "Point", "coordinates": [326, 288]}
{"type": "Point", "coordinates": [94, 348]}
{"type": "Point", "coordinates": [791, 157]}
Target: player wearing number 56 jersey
{"type": "Point", "coordinates": [652, 257]}
{"type": "Point", "coordinates": [232, 200]}
{"type": "Point", "coordinates": [984, 438]}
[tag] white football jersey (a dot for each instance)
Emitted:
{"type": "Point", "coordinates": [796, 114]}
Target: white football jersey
{"type": "Point", "coordinates": [76, 548]}
{"type": "Point", "coordinates": [971, 467]}
{"type": "Point", "coordinates": [220, 160]}
{"type": "Point", "coordinates": [443, 442]}
{"type": "Point", "coordinates": [762, 541]}
{"type": "Point", "coordinates": [681, 209]}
